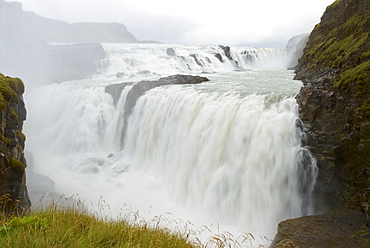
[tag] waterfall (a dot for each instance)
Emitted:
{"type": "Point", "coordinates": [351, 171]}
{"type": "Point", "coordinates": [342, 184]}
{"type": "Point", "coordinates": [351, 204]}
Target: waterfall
{"type": "Point", "coordinates": [226, 151]}
{"type": "Point", "coordinates": [131, 59]}
{"type": "Point", "coordinates": [234, 157]}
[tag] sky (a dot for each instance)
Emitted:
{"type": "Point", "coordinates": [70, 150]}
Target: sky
{"type": "Point", "coordinates": [257, 23]}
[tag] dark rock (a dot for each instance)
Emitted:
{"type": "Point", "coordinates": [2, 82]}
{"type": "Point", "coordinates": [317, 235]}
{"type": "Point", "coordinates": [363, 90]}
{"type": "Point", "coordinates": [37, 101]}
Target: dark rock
{"type": "Point", "coordinates": [195, 57]}
{"type": "Point", "coordinates": [227, 53]}
{"type": "Point", "coordinates": [226, 50]}
{"type": "Point", "coordinates": [14, 197]}
{"type": "Point", "coordinates": [170, 51]}
{"type": "Point", "coordinates": [333, 106]}
{"type": "Point", "coordinates": [219, 57]}
{"type": "Point", "coordinates": [115, 90]}
{"type": "Point", "coordinates": [141, 87]}
{"type": "Point", "coordinates": [342, 228]}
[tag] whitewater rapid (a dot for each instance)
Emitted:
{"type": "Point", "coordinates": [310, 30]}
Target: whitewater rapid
{"type": "Point", "coordinates": [225, 153]}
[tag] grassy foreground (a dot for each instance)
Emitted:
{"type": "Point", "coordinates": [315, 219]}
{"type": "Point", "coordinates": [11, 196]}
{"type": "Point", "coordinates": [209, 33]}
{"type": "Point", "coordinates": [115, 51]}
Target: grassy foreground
{"type": "Point", "coordinates": [56, 227]}
{"type": "Point", "coordinates": [68, 223]}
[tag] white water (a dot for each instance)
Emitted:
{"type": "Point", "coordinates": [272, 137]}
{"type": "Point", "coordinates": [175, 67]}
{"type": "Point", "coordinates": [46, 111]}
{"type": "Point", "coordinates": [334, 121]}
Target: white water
{"type": "Point", "coordinates": [222, 152]}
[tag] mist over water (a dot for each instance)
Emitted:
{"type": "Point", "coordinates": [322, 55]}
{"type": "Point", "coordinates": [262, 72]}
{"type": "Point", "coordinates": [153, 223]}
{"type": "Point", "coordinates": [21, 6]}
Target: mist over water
{"type": "Point", "coordinates": [225, 152]}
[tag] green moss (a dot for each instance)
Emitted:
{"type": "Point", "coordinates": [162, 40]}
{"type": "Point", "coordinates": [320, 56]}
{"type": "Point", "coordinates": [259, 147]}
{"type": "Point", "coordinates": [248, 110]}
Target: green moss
{"type": "Point", "coordinates": [21, 137]}
{"type": "Point", "coordinates": [339, 45]}
{"type": "Point", "coordinates": [14, 115]}
{"type": "Point", "coordinates": [10, 90]}
{"type": "Point", "coordinates": [360, 75]}
{"type": "Point", "coordinates": [364, 111]}
{"type": "Point", "coordinates": [17, 165]}
{"type": "Point", "coordinates": [16, 84]}
{"type": "Point", "coordinates": [6, 140]}
{"type": "Point", "coordinates": [7, 94]}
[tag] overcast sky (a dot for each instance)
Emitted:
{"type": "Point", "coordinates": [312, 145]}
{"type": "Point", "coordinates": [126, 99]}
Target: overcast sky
{"type": "Point", "coordinates": [259, 23]}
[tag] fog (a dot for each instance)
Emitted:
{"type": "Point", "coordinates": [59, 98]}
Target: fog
{"type": "Point", "coordinates": [263, 23]}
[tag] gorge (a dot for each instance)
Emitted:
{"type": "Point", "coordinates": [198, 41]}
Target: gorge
{"type": "Point", "coordinates": [115, 124]}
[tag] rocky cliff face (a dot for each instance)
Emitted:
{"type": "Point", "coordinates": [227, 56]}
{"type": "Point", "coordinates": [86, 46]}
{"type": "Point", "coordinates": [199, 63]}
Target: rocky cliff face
{"type": "Point", "coordinates": [335, 107]}
{"type": "Point", "coordinates": [335, 101]}
{"type": "Point", "coordinates": [13, 190]}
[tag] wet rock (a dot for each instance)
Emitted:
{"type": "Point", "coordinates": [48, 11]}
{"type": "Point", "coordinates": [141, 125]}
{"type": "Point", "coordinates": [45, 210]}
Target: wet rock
{"type": "Point", "coordinates": [219, 57]}
{"type": "Point", "coordinates": [170, 51]}
{"type": "Point", "coordinates": [344, 228]}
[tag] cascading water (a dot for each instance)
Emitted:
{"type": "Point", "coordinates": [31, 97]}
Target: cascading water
{"type": "Point", "coordinates": [227, 151]}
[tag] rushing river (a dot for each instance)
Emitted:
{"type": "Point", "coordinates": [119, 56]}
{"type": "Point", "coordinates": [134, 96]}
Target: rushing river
{"type": "Point", "coordinates": [225, 154]}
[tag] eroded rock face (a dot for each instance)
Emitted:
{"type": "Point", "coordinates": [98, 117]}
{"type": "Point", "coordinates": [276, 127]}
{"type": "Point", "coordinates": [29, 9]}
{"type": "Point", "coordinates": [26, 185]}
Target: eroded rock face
{"type": "Point", "coordinates": [334, 102]}
{"type": "Point", "coordinates": [13, 190]}
{"type": "Point", "coordinates": [334, 105]}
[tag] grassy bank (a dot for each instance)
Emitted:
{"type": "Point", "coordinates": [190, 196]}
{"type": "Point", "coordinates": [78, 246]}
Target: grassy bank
{"type": "Point", "coordinates": [57, 227]}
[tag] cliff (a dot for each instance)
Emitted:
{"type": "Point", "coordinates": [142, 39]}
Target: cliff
{"type": "Point", "coordinates": [335, 101]}
{"type": "Point", "coordinates": [334, 105]}
{"type": "Point", "coordinates": [13, 190]}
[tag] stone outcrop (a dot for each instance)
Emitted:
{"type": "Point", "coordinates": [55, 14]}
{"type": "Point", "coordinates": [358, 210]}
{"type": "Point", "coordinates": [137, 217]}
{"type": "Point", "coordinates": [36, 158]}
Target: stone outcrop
{"type": "Point", "coordinates": [334, 105]}
{"type": "Point", "coordinates": [13, 190]}
{"type": "Point", "coordinates": [342, 228]}
{"type": "Point", "coordinates": [141, 87]}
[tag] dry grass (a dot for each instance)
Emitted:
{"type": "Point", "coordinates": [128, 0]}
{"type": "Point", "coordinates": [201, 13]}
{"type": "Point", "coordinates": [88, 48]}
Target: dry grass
{"type": "Point", "coordinates": [74, 226]}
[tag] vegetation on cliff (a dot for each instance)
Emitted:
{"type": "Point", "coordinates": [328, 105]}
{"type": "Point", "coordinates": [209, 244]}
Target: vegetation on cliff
{"type": "Point", "coordinates": [335, 68]}
{"type": "Point", "coordinates": [334, 105]}
{"type": "Point", "coordinates": [339, 46]}
{"type": "Point", "coordinates": [13, 191]}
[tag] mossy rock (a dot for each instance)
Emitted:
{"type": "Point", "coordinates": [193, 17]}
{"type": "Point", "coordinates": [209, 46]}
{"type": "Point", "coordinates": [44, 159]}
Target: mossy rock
{"type": "Point", "coordinates": [6, 140]}
{"type": "Point", "coordinates": [10, 90]}
{"type": "Point", "coordinates": [14, 115]}
{"type": "Point", "coordinates": [17, 165]}
{"type": "Point", "coordinates": [339, 45]}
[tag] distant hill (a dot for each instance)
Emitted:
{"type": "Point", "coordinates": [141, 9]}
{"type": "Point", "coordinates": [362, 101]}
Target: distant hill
{"type": "Point", "coordinates": [26, 49]}
{"type": "Point", "coordinates": [16, 23]}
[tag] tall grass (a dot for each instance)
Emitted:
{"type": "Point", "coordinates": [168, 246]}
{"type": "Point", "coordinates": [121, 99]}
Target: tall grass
{"type": "Point", "coordinates": [73, 226]}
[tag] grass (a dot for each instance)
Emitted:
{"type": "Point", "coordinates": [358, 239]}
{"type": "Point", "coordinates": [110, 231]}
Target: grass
{"type": "Point", "coordinates": [74, 226]}
{"type": "Point", "coordinates": [68, 227]}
